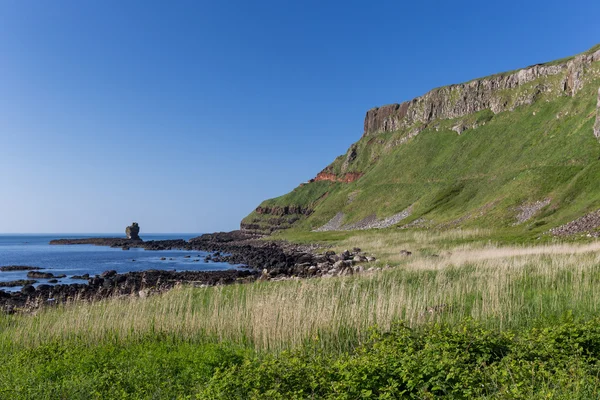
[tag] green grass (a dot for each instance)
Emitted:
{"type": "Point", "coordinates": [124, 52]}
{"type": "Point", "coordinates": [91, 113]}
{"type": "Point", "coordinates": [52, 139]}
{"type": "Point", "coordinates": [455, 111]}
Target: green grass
{"type": "Point", "coordinates": [493, 310]}
{"type": "Point", "coordinates": [479, 320]}
{"type": "Point", "coordinates": [545, 150]}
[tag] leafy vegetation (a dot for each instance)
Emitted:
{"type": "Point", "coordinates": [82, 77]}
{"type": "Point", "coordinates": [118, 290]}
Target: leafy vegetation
{"type": "Point", "coordinates": [438, 361]}
{"type": "Point", "coordinates": [479, 320]}
{"type": "Point", "coordinates": [499, 309]}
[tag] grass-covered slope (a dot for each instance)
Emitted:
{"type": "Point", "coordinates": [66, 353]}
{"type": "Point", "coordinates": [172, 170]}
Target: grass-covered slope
{"type": "Point", "coordinates": [545, 151]}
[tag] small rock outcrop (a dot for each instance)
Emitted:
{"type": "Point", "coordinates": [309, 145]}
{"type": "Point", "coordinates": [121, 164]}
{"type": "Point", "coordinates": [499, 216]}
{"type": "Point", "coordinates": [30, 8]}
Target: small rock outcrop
{"type": "Point", "coordinates": [597, 125]}
{"type": "Point", "coordinates": [133, 231]}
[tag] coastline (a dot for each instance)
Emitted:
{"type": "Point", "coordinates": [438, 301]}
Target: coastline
{"type": "Point", "coordinates": [263, 259]}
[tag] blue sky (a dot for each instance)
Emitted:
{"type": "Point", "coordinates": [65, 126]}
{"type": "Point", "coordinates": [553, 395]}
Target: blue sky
{"type": "Point", "coordinates": [185, 115]}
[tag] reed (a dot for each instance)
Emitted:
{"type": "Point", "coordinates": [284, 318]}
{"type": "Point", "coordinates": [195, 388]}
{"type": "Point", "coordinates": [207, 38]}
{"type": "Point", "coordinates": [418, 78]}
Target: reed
{"type": "Point", "coordinates": [501, 287]}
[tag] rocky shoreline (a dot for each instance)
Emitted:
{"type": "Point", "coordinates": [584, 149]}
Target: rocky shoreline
{"type": "Point", "coordinates": [111, 284]}
{"type": "Point", "coordinates": [265, 260]}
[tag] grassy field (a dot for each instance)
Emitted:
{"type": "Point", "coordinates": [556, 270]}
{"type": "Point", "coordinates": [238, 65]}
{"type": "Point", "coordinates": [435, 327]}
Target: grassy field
{"type": "Point", "coordinates": [210, 342]}
{"type": "Point", "coordinates": [541, 151]}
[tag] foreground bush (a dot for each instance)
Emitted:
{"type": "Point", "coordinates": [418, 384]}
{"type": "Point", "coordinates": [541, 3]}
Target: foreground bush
{"type": "Point", "coordinates": [467, 361]}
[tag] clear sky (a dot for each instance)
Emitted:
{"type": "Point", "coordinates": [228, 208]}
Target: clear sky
{"type": "Point", "coordinates": [185, 115]}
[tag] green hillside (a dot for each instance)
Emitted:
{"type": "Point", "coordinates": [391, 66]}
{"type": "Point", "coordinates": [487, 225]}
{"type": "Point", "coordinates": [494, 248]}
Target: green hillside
{"type": "Point", "coordinates": [530, 168]}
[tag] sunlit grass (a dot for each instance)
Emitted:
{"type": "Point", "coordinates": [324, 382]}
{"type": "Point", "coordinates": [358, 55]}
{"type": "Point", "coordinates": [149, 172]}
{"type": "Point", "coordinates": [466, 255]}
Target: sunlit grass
{"type": "Point", "coordinates": [502, 287]}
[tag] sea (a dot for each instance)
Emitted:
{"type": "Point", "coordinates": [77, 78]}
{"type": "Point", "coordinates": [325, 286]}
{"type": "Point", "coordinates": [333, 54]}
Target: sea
{"type": "Point", "coordinates": [35, 250]}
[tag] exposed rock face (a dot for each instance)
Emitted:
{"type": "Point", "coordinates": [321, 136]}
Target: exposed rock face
{"type": "Point", "coordinates": [350, 157]}
{"type": "Point", "coordinates": [597, 125]}
{"type": "Point", "coordinates": [133, 231]}
{"type": "Point", "coordinates": [346, 178]}
{"type": "Point", "coordinates": [457, 101]}
{"type": "Point", "coordinates": [285, 210]}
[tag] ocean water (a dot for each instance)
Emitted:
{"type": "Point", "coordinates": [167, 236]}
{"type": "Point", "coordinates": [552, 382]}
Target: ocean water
{"type": "Point", "coordinates": [34, 250]}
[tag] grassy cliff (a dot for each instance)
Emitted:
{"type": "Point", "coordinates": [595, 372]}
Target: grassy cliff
{"type": "Point", "coordinates": [519, 155]}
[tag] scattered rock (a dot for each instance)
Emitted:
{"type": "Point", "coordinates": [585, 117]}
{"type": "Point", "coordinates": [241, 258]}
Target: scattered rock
{"type": "Point", "coordinates": [108, 274]}
{"type": "Point", "coordinates": [528, 210]}
{"type": "Point", "coordinates": [587, 224]}
{"type": "Point", "coordinates": [40, 275]}
{"type": "Point", "coordinates": [21, 282]}
{"type": "Point", "coordinates": [405, 253]}
{"type": "Point", "coordinates": [9, 268]}
{"type": "Point", "coordinates": [28, 289]}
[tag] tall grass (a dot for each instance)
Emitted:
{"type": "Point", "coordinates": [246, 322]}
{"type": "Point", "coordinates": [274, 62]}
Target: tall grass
{"type": "Point", "coordinates": [500, 287]}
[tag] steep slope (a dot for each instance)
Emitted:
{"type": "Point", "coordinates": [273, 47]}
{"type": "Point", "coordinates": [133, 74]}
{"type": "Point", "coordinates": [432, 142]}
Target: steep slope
{"type": "Point", "coordinates": [517, 150]}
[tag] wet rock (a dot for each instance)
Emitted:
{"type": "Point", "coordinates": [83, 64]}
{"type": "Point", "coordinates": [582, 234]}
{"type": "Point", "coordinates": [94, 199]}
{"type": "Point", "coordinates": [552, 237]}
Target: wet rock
{"type": "Point", "coordinates": [108, 274]}
{"type": "Point", "coordinates": [44, 287]}
{"type": "Point", "coordinates": [53, 281]}
{"type": "Point", "coordinates": [28, 289]}
{"type": "Point", "coordinates": [39, 275]}
{"type": "Point", "coordinates": [21, 282]}
{"type": "Point", "coordinates": [9, 268]}
{"type": "Point", "coordinates": [81, 277]}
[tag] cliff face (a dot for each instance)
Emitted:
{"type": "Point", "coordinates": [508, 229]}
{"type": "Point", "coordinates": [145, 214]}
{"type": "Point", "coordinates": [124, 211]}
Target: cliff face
{"type": "Point", "coordinates": [348, 177]}
{"type": "Point", "coordinates": [417, 156]}
{"type": "Point", "coordinates": [457, 101]}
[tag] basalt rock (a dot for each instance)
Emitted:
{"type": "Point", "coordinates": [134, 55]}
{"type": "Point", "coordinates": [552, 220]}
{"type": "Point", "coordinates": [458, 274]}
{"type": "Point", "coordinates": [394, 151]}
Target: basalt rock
{"type": "Point", "coordinates": [456, 101]}
{"type": "Point", "coordinates": [9, 268]}
{"type": "Point", "coordinates": [40, 275]}
{"type": "Point", "coordinates": [133, 231]}
{"type": "Point", "coordinates": [284, 210]}
{"type": "Point", "coordinates": [152, 281]}
{"type": "Point", "coordinates": [21, 282]}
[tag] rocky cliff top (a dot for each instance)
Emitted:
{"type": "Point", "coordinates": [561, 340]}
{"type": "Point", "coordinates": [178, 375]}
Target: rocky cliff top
{"type": "Point", "coordinates": [457, 101]}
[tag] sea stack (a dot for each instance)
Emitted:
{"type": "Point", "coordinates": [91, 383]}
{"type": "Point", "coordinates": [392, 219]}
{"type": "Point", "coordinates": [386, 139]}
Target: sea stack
{"type": "Point", "coordinates": [133, 231]}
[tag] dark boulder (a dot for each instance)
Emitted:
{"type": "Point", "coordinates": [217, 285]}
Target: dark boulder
{"type": "Point", "coordinates": [21, 282]}
{"type": "Point", "coordinates": [108, 274]}
{"type": "Point", "coordinates": [18, 268]}
{"type": "Point", "coordinates": [28, 289]}
{"type": "Point", "coordinates": [39, 275]}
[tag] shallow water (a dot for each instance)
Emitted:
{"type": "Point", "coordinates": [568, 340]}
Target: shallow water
{"type": "Point", "coordinates": [34, 250]}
